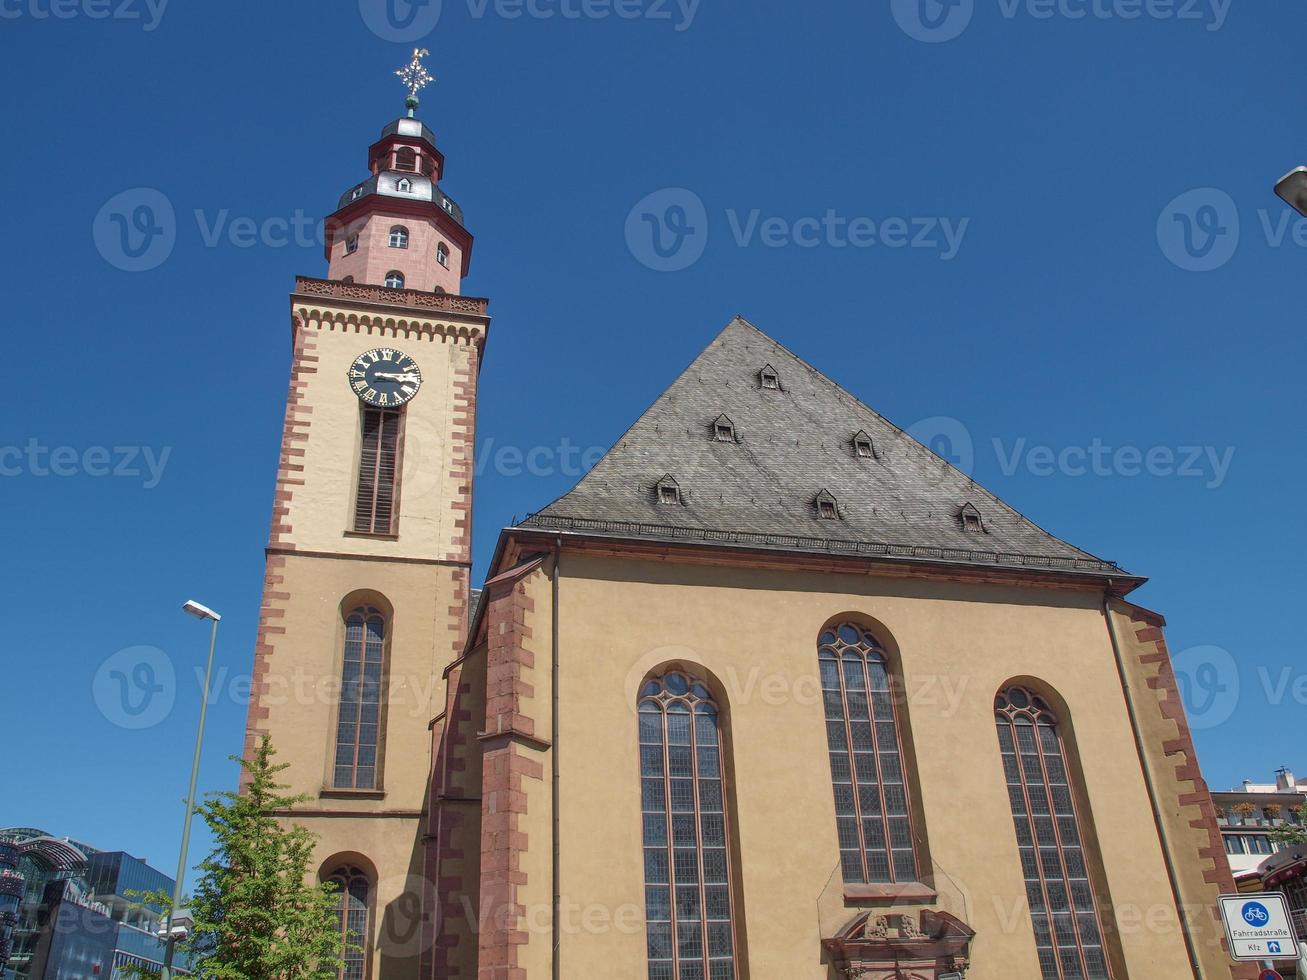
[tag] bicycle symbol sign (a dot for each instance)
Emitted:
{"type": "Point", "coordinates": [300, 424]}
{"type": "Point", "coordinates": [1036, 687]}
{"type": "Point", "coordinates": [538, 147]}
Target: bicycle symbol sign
{"type": "Point", "coordinates": [1257, 926]}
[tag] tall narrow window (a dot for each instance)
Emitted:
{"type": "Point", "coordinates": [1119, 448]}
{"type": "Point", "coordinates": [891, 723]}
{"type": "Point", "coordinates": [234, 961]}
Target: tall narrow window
{"type": "Point", "coordinates": [866, 760]}
{"type": "Point", "coordinates": [686, 859]}
{"type": "Point", "coordinates": [374, 507]}
{"type": "Point", "coordinates": [442, 254]}
{"type": "Point", "coordinates": [358, 726]}
{"type": "Point", "coordinates": [1063, 909]}
{"type": "Point", "coordinates": [352, 896]}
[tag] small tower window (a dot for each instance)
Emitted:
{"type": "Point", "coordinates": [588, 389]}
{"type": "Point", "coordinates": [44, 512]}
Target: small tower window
{"type": "Point", "coordinates": [827, 508]}
{"type": "Point", "coordinates": [399, 237]}
{"type": "Point", "coordinates": [447, 204]}
{"type": "Point", "coordinates": [348, 279]}
{"type": "Point", "coordinates": [356, 193]}
{"type": "Point", "coordinates": [863, 447]}
{"type": "Point", "coordinates": [442, 254]}
{"type": "Point", "coordinates": [405, 186]}
{"type": "Point", "coordinates": [970, 519]}
{"type": "Point", "coordinates": [351, 244]}
{"type": "Point", "coordinates": [769, 379]}
{"type": "Point", "coordinates": [669, 491]}
{"type": "Point", "coordinates": [723, 429]}
{"type": "Point", "coordinates": [406, 159]}
{"type": "Point", "coordinates": [395, 279]}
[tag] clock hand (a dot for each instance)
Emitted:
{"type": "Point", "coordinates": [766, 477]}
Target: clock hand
{"type": "Point", "coordinates": [388, 376]}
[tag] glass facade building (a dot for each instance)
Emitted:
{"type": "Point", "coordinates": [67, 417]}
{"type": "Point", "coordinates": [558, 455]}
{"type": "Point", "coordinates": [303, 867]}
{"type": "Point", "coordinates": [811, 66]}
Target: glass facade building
{"type": "Point", "coordinates": [80, 916]}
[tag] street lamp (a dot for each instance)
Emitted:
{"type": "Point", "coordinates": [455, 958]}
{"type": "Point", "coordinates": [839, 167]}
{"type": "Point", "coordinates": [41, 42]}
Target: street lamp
{"type": "Point", "coordinates": [1293, 188]}
{"type": "Point", "coordinates": [177, 919]}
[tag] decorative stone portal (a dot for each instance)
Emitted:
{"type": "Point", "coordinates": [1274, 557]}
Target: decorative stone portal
{"type": "Point", "coordinates": [902, 946]}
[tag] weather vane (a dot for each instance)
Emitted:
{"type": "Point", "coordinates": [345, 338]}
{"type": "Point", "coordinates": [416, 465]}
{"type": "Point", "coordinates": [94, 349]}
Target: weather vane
{"type": "Point", "coordinates": [415, 77]}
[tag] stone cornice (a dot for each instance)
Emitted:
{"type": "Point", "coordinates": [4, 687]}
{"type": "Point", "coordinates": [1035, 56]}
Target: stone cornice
{"type": "Point", "coordinates": [383, 312]}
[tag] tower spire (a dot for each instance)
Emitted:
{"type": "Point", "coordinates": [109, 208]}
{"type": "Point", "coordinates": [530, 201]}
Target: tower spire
{"type": "Point", "coordinates": [415, 77]}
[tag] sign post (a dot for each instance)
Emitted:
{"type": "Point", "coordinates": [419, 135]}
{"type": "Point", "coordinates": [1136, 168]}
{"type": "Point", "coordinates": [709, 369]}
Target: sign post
{"type": "Point", "coordinates": [1258, 928]}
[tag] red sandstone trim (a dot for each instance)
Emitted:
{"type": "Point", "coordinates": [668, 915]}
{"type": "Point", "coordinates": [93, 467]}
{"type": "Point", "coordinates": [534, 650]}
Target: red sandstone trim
{"type": "Point", "coordinates": [1180, 752]}
{"type": "Point", "coordinates": [505, 767]}
{"type": "Point", "coordinates": [295, 430]}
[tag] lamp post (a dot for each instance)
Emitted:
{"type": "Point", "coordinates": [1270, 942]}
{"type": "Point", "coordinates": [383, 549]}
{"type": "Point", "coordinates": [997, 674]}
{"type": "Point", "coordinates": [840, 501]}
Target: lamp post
{"type": "Point", "coordinates": [192, 608]}
{"type": "Point", "coordinates": [1293, 188]}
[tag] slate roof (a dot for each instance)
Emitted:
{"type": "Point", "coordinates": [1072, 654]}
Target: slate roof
{"type": "Point", "coordinates": [760, 491]}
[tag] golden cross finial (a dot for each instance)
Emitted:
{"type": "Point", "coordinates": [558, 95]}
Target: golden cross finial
{"type": "Point", "coordinates": [415, 77]}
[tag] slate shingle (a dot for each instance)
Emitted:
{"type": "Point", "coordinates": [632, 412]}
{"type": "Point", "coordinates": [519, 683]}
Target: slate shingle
{"type": "Point", "coordinates": [790, 444]}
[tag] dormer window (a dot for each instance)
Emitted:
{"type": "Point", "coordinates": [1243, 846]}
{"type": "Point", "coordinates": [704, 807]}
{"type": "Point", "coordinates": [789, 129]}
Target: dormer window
{"type": "Point", "coordinates": [406, 159]}
{"type": "Point", "coordinates": [669, 491]}
{"type": "Point", "coordinates": [399, 237]}
{"type": "Point", "coordinates": [394, 279]}
{"type": "Point", "coordinates": [442, 254]}
{"type": "Point", "coordinates": [404, 186]}
{"type": "Point", "coordinates": [356, 193]}
{"type": "Point", "coordinates": [863, 447]}
{"type": "Point", "coordinates": [769, 379]}
{"type": "Point", "coordinates": [970, 519]}
{"type": "Point", "coordinates": [827, 508]}
{"type": "Point", "coordinates": [723, 429]}
{"type": "Point", "coordinates": [447, 204]}
{"type": "Point", "coordinates": [351, 244]}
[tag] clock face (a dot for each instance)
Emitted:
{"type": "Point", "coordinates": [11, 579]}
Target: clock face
{"type": "Point", "coordinates": [385, 378]}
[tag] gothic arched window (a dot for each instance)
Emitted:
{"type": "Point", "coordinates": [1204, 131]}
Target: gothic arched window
{"type": "Point", "coordinates": [872, 816]}
{"type": "Point", "coordinates": [352, 910]}
{"type": "Point", "coordinates": [1063, 909]}
{"type": "Point", "coordinates": [399, 237]}
{"type": "Point", "coordinates": [395, 279]}
{"type": "Point", "coordinates": [358, 722]}
{"type": "Point", "coordinates": [687, 865]}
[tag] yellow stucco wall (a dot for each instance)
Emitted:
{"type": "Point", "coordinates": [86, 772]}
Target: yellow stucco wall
{"type": "Point", "coordinates": [754, 632]}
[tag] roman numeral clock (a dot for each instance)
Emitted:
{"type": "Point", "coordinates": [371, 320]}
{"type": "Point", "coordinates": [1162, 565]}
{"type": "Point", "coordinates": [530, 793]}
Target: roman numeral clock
{"type": "Point", "coordinates": [385, 378]}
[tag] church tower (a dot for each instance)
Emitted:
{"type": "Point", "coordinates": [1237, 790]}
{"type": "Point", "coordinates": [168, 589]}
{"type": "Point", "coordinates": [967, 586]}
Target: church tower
{"type": "Point", "coordinates": [366, 592]}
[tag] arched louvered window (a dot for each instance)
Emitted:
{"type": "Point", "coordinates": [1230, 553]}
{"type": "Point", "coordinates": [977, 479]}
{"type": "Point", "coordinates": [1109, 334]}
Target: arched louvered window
{"type": "Point", "coordinates": [374, 504]}
{"type": "Point", "coordinates": [687, 872]}
{"type": "Point", "coordinates": [353, 896]}
{"type": "Point", "coordinates": [1063, 909]}
{"type": "Point", "coordinates": [358, 725]}
{"type": "Point", "coordinates": [872, 817]}
{"type": "Point", "coordinates": [406, 159]}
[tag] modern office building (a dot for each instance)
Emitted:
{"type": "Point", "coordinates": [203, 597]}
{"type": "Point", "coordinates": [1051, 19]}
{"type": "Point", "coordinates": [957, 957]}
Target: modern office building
{"type": "Point", "coordinates": [78, 917]}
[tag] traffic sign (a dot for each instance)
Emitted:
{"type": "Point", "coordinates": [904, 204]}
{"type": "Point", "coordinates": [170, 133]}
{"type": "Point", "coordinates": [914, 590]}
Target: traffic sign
{"type": "Point", "coordinates": [1269, 975]}
{"type": "Point", "coordinates": [1258, 926]}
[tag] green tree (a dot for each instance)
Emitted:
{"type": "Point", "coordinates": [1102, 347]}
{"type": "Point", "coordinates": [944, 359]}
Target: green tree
{"type": "Point", "coordinates": [257, 916]}
{"type": "Point", "coordinates": [1292, 833]}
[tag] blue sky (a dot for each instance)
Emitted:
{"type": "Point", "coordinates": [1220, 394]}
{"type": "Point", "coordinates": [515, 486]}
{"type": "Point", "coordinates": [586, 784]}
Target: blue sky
{"type": "Point", "coordinates": [985, 215]}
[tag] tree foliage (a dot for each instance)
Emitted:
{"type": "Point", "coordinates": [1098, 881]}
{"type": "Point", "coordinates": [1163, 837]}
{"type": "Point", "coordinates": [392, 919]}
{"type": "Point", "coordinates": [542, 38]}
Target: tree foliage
{"type": "Point", "coordinates": [258, 914]}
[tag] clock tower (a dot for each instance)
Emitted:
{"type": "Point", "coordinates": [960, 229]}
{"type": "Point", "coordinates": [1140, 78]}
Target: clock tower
{"type": "Point", "coordinates": [366, 593]}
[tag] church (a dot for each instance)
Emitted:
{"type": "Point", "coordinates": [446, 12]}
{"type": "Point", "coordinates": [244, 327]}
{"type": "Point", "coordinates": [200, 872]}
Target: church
{"type": "Point", "coordinates": [774, 692]}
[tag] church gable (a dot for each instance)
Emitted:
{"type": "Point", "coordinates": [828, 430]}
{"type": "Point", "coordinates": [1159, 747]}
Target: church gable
{"type": "Point", "coordinates": [795, 436]}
